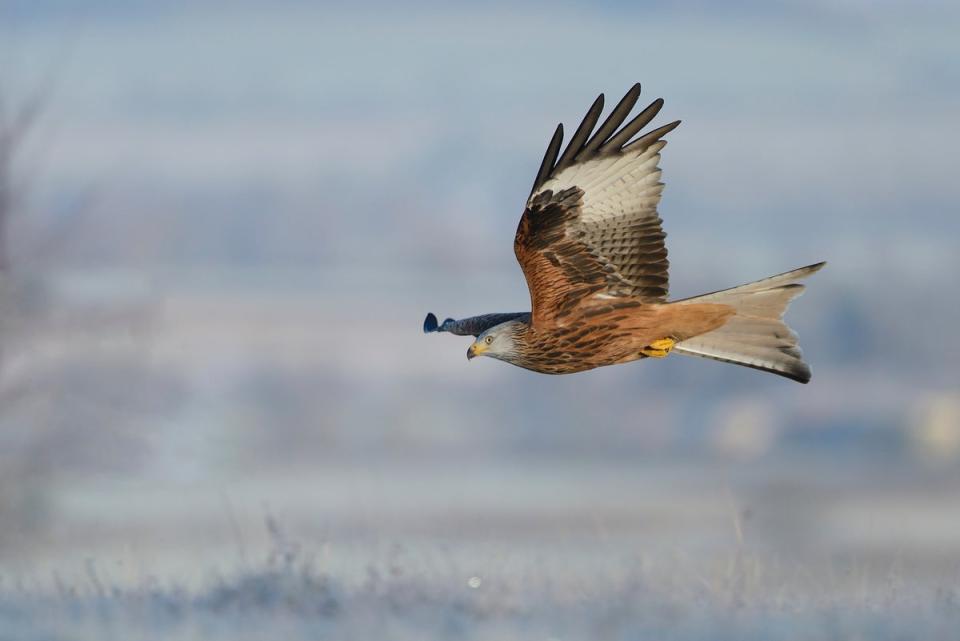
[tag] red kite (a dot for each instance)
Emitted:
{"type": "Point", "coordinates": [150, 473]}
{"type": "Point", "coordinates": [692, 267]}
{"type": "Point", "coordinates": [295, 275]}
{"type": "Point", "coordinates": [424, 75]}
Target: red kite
{"type": "Point", "coordinates": [592, 250]}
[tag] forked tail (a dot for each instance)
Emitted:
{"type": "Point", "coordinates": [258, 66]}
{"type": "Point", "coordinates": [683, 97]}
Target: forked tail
{"type": "Point", "coordinates": [756, 335]}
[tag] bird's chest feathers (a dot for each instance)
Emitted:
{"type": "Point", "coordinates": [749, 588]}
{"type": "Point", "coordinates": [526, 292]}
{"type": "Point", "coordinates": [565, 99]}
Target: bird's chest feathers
{"type": "Point", "coordinates": [581, 347]}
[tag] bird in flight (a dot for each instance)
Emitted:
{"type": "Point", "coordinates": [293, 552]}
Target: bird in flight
{"type": "Point", "coordinates": [592, 250]}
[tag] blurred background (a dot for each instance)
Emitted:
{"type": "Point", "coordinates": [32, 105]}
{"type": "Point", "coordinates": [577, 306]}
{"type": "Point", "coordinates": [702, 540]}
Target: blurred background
{"type": "Point", "coordinates": [221, 225]}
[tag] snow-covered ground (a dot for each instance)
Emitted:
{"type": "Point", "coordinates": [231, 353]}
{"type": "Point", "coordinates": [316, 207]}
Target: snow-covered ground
{"type": "Point", "coordinates": [801, 549]}
{"type": "Point", "coordinates": [291, 597]}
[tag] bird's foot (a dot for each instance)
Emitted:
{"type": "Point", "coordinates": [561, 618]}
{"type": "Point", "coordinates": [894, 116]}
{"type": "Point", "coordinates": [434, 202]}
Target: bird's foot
{"type": "Point", "coordinates": [659, 348]}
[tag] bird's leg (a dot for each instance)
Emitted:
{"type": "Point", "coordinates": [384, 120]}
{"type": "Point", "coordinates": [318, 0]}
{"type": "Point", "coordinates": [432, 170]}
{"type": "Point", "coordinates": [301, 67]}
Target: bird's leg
{"type": "Point", "coordinates": [659, 348]}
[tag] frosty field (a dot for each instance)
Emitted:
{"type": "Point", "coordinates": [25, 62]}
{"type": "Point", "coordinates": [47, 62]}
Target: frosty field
{"type": "Point", "coordinates": [285, 599]}
{"type": "Point", "coordinates": [578, 551]}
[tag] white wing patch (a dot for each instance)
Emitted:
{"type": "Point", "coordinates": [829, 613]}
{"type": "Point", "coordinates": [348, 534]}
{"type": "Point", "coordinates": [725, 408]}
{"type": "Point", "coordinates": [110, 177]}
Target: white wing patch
{"type": "Point", "coordinates": [610, 188]}
{"type": "Point", "coordinates": [625, 185]}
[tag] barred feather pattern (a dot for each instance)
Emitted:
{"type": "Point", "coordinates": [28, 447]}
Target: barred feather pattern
{"type": "Point", "coordinates": [591, 227]}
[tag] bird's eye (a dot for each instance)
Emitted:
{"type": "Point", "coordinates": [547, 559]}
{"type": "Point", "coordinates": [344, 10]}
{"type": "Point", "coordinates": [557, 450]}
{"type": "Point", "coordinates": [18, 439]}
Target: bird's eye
{"type": "Point", "coordinates": [488, 340]}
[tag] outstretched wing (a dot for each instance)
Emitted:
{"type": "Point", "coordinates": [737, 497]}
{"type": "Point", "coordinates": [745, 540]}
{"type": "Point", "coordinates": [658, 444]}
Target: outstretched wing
{"type": "Point", "coordinates": [473, 326]}
{"type": "Point", "coordinates": [591, 227]}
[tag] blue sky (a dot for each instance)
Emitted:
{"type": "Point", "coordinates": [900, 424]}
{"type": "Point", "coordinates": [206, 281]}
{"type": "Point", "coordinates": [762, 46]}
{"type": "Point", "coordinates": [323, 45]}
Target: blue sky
{"type": "Point", "coordinates": [808, 128]}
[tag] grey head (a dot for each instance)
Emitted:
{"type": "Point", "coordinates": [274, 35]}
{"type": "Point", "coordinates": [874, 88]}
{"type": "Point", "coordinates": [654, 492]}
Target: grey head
{"type": "Point", "coordinates": [500, 341]}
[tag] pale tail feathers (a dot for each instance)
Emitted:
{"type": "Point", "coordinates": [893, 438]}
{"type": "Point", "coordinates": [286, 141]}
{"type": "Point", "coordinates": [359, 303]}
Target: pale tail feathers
{"type": "Point", "coordinates": [756, 336]}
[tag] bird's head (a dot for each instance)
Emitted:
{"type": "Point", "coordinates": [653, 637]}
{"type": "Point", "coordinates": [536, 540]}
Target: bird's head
{"type": "Point", "coordinates": [500, 341]}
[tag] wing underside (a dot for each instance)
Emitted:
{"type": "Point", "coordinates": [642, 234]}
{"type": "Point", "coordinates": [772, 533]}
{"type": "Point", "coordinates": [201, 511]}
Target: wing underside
{"type": "Point", "coordinates": [591, 227]}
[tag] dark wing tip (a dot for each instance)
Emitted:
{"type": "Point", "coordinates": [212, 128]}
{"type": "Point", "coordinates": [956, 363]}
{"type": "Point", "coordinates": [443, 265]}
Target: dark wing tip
{"type": "Point", "coordinates": [430, 323]}
{"type": "Point", "coordinates": [651, 137]}
{"type": "Point", "coordinates": [614, 120]}
{"type": "Point", "coordinates": [549, 159]}
{"type": "Point", "coordinates": [579, 139]}
{"type": "Point", "coordinates": [606, 139]}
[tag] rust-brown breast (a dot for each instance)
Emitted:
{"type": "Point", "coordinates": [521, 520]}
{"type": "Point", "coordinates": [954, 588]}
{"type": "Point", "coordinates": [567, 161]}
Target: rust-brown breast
{"type": "Point", "coordinates": [613, 333]}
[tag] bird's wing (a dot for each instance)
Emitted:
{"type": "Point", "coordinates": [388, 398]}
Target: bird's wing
{"type": "Point", "coordinates": [473, 326]}
{"type": "Point", "coordinates": [591, 228]}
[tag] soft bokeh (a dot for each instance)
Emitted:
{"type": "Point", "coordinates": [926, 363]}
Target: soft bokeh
{"type": "Point", "coordinates": [224, 222]}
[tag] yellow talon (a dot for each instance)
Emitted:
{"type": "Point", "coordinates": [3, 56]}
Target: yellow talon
{"type": "Point", "coordinates": [659, 348]}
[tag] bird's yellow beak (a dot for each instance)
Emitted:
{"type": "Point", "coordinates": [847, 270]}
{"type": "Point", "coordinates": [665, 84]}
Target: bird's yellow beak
{"type": "Point", "coordinates": [477, 349]}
